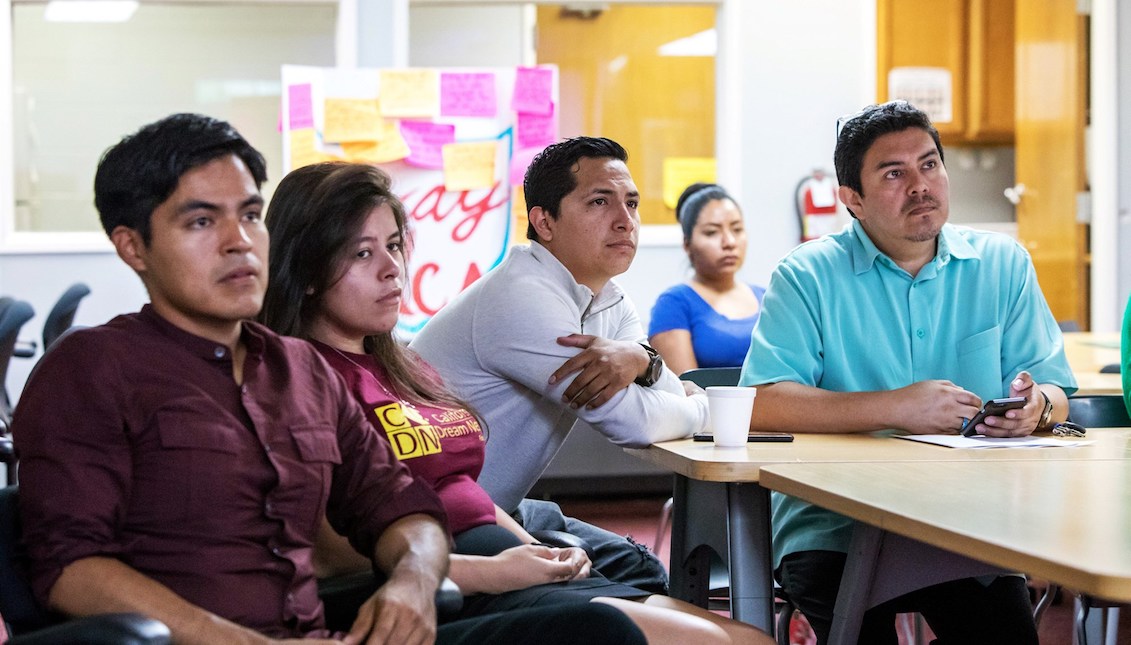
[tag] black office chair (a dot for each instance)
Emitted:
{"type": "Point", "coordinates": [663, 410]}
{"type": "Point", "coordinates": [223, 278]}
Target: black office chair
{"type": "Point", "coordinates": [1098, 411]}
{"type": "Point", "coordinates": [13, 315]}
{"type": "Point", "coordinates": [29, 624]}
{"type": "Point", "coordinates": [62, 315]}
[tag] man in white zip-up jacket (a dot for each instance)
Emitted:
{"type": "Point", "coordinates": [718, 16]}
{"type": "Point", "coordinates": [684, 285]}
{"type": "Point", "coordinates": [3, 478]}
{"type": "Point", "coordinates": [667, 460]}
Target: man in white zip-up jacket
{"type": "Point", "coordinates": [548, 338]}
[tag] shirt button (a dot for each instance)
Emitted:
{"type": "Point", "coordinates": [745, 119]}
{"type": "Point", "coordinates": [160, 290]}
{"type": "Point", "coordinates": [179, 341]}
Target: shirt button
{"type": "Point", "coordinates": [243, 389]}
{"type": "Point", "coordinates": [920, 333]}
{"type": "Point", "coordinates": [275, 550]}
{"type": "Point", "coordinates": [266, 448]}
{"type": "Point", "coordinates": [268, 507]}
{"type": "Point", "coordinates": [219, 352]}
{"type": "Point", "coordinates": [290, 599]}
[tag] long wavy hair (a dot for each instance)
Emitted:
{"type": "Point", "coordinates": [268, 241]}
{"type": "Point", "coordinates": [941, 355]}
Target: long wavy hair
{"type": "Point", "coordinates": [315, 214]}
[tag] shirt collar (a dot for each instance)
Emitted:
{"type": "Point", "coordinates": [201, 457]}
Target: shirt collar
{"type": "Point", "coordinates": [952, 245]}
{"type": "Point", "coordinates": [582, 295]}
{"type": "Point", "coordinates": [209, 350]}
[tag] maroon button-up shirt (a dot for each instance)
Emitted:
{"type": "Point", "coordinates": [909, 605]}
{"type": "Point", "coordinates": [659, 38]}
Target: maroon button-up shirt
{"type": "Point", "coordinates": [136, 443]}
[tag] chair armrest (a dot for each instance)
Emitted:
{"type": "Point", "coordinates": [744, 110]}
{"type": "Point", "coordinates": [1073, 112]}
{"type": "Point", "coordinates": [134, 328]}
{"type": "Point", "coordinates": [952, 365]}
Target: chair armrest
{"type": "Point", "coordinates": [343, 595]}
{"type": "Point", "coordinates": [1112, 368]}
{"type": "Point", "coordinates": [24, 349]}
{"type": "Point", "coordinates": [563, 540]}
{"type": "Point", "coordinates": [104, 629]}
{"type": "Point", "coordinates": [449, 600]}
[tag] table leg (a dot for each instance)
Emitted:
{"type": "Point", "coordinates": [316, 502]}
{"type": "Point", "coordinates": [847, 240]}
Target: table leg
{"type": "Point", "coordinates": [696, 533]}
{"type": "Point", "coordinates": [882, 566]}
{"type": "Point", "coordinates": [748, 543]}
{"type": "Point", "coordinates": [732, 522]}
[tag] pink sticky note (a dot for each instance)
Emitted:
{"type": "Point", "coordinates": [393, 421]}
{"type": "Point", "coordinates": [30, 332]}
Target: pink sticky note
{"type": "Point", "coordinates": [520, 162]}
{"type": "Point", "coordinates": [468, 94]}
{"type": "Point", "coordinates": [426, 141]}
{"type": "Point", "coordinates": [536, 130]}
{"type": "Point", "coordinates": [533, 90]}
{"type": "Point", "coordinates": [301, 106]}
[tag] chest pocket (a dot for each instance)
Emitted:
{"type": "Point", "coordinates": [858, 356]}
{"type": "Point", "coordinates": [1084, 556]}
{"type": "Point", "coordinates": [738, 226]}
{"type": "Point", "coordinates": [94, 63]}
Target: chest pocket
{"type": "Point", "coordinates": [979, 363]}
{"type": "Point", "coordinates": [191, 472]}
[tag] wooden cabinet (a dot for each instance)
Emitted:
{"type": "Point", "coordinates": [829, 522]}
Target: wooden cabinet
{"type": "Point", "coordinates": [973, 40]}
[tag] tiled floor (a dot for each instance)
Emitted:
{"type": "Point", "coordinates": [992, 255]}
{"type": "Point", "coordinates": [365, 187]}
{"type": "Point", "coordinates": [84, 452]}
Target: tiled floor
{"type": "Point", "coordinates": [639, 517]}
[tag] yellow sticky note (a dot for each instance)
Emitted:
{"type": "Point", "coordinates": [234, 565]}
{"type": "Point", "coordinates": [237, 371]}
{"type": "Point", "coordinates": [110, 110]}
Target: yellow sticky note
{"type": "Point", "coordinates": [681, 172]}
{"type": "Point", "coordinates": [469, 165]}
{"type": "Point", "coordinates": [303, 149]}
{"type": "Point", "coordinates": [361, 151]}
{"type": "Point", "coordinates": [352, 120]}
{"type": "Point", "coordinates": [410, 93]}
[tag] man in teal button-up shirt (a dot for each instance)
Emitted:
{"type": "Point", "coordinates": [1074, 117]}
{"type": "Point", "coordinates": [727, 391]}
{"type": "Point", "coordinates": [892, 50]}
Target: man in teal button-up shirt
{"type": "Point", "coordinates": [901, 321]}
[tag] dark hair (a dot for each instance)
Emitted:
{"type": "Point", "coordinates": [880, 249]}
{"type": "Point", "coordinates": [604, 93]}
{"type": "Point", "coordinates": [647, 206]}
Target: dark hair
{"type": "Point", "coordinates": [140, 172]}
{"type": "Point", "coordinates": [692, 201]}
{"type": "Point", "coordinates": [859, 132]}
{"type": "Point", "coordinates": [315, 213]}
{"type": "Point", "coordinates": [551, 175]}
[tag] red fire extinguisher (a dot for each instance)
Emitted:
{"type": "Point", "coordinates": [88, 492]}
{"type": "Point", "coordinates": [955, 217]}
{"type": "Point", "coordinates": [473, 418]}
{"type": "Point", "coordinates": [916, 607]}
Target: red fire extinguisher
{"type": "Point", "coordinates": [817, 205]}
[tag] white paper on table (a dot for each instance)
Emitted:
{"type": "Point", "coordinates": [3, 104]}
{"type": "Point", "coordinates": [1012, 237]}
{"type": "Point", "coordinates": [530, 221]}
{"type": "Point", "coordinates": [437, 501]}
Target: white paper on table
{"type": "Point", "coordinates": [979, 441]}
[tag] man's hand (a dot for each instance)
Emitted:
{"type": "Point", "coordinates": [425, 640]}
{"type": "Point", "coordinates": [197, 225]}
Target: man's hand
{"type": "Point", "coordinates": [933, 407]}
{"type": "Point", "coordinates": [1022, 421]}
{"type": "Point", "coordinates": [605, 367]}
{"type": "Point", "coordinates": [402, 611]}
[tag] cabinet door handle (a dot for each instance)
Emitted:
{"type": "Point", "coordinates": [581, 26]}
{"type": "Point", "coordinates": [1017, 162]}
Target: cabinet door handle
{"type": "Point", "coordinates": [1014, 193]}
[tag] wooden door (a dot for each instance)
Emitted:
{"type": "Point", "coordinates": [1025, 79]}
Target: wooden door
{"type": "Point", "coordinates": [1051, 65]}
{"type": "Point", "coordinates": [616, 83]}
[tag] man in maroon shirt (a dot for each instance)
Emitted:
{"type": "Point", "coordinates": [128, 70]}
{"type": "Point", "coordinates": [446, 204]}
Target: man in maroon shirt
{"type": "Point", "coordinates": [178, 461]}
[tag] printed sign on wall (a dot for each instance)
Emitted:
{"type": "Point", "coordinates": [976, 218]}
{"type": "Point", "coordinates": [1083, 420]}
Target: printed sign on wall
{"type": "Point", "coordinates": [455, 141]}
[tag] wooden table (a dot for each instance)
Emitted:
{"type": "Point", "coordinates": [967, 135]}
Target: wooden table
{"type": "Point", "coordinates": [1068, 521]}
{"type": "Point", "coordinates": [1087, 352]}
{"type": "Point", "coordinates": [720, 505]}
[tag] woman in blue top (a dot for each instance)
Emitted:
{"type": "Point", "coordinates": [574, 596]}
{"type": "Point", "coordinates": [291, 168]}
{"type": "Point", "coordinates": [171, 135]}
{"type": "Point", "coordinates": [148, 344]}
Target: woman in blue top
{"type": "Point", "coordinates": [707, 322]}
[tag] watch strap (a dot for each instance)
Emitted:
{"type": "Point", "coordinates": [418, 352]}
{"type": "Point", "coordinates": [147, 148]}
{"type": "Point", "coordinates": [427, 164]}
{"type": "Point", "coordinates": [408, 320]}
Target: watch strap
{"type": "Point", "coordinates": [655, 367]}
{"type": "Point", "coordinates": [1046, 414]}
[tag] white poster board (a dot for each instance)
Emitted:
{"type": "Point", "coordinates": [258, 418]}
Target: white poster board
{"type": "Point", "coordinates": [455, 141]}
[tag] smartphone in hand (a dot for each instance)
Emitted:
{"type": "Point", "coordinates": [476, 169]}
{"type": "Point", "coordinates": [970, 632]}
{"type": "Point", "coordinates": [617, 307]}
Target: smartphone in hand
{"type": "Point", "coordinates": [993, 408]}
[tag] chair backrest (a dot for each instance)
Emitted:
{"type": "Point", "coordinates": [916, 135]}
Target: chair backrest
{"type": "Point", "coordinates": [707, 376]}
{"type": "Point", "coordinates": [62, 315]}
{"type": "Point", "coordinates": [12, 319]}
{"type": "Point", "coordinates": [16, 601]}
{"type": "Point", "coordinates": [1098, 411]}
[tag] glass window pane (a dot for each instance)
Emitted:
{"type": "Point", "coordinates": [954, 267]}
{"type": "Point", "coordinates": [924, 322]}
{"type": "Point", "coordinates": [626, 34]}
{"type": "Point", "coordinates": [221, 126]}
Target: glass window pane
{"type": "Point", "coordinates": [643, 76]}
{"type": "Point", "coordinates": [78, 87]}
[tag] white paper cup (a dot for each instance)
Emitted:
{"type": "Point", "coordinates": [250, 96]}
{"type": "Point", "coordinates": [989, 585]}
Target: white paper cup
{"type": "Point", "coordinates": [730, 408]}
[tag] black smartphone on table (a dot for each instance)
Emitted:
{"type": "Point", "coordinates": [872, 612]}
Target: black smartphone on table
{"type": "Point", "coordinates": [751, 437]}
{"type": "Point", "coordinates": [993, 408]}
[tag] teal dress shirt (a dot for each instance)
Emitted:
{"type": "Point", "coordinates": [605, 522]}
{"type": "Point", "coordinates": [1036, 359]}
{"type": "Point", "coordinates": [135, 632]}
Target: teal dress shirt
{"type": "Point", "coordinates": [840, 315]}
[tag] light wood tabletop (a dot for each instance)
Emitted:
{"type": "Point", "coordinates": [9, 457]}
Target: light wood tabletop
{"type": "Point", "coordinates": [720, 504]}
{"type": "Point", "coordinates": [1067, 521]}
{"type": "Point", "coordinates": [1087, 352]}
{"type": "Point", "coordinates": [704, 462]}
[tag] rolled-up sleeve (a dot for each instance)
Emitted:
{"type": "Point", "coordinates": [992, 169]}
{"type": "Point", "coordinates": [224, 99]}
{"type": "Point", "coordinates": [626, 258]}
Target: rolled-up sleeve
{"type": "Point", "coordinates": [75, 462]}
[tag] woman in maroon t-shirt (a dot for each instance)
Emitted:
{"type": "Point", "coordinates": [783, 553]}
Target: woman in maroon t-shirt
{"type": "Point", "coordinates": [337, 251]}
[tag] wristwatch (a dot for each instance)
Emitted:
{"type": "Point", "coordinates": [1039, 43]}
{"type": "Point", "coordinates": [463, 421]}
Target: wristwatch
{"type": "Point", "coordinates": [1046, 414]}
{"type": "Point", "coordinates": [655, 368]}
